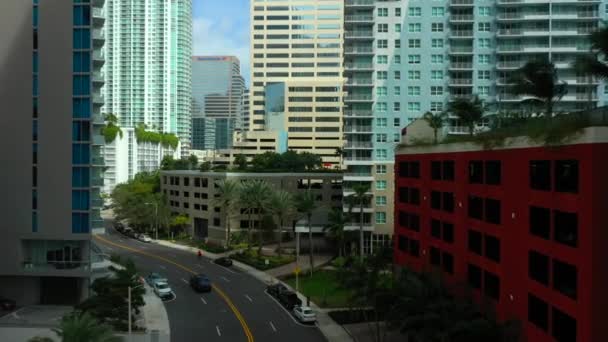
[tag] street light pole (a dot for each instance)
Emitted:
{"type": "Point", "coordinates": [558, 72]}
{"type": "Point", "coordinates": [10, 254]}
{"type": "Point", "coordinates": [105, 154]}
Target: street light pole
{"type": "Point", "coordinates": [155, 219]}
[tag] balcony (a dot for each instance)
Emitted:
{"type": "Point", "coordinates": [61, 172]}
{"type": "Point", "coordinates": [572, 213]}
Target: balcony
{"type": "Point", "coordinates": [359, 34]}
{"type": "Point", "coordinates": [99, 17]}
{"type": "Point", "coordinates": [359, 145]}
{"type": "Point", "coordinates": [461, 18]}
{"type": "Point", "coordinates": [97, 99]}
{"type": "Point", "coordinates": [98, 58]}
{"type": "Point", "coordinates": [461, 3]}
{"type": "Point", "coordinates": [98, 140]}
{"type": "Point", "coordinates": [99, 3]}
{"type": "Point", "coordinates": [359, 66]}
{"type": "Point", "coordinates": [359, 98]}
{"type": "Point", "coordinates": [98, 37]}
{"type": "Point", "coordinates": [360, 82]}
{"type": "Point", "coordinates": [461, 82]}
{"type": "Point", "coordinates": [509, 65]}
{"type": "Point", "coordinates": [359, 50]}
{"type": "Point", "coordinates": [461, 50]}
{"type": "Point", "coordinates": [98, 161]}
{"type": "Point", "coordinates": [98, 78]}
{"type": "Point", "coordinates": [358, 113]}
{"type": "Point", "coordinates": [358, 18]}
{"type": "Point", "coordinates": [360, 3]}
{"type": "Point", "coordinates": [358, 129]}
{"type": "Point", "coordinates": [461, 34]}
{"type": "Point", "coordinates": [461, 65]}
{"type": "Point", "coordinates": [55, 257]}
{"type": "Point", "coordinates": [96, 181]}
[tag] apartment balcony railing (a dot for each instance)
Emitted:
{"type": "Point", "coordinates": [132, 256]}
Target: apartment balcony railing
{"type": "Point", "coordinates": [98, 17]}
{"type": "Point", "coordinates": [360, 81]}
{"type": "Point", "coordinates": [461, 33]}
{"type": "Point", "coordinates": [358, 66]}
{"type": "Point", "coordinates": [356, 18]}
{"type": "Point", "coordinates": [461, 17]}
{"type": "Point", "coordinates": [56, 265]}
{"type": "Point", "coordinates": [357, 174]}
{"type": "Point", "coordinates": [359, 97]}
{"type": "Point", "coordinates": [359, 34]}
{"type": "Point", "coordinates": [98, 36]}
{"type": "Point", "coordinates": [97, 181]}
{"type": "Point", "coordinates": [461, 2]}
{"type": "Point", "coordinates": [461, 81]}
{"type": "Point", "coordinates": [457, 49]}
{"type": "Point", "coordinates": [98, 77]}
{"type": "Point", "coordinates": [358, 129]}
{"type": "Point", "coordinates": [359, 144]}
{"type": "Point", "coordinates": [359, 2]}
{"type": "Point", "coordinates": [358, 113]}
{"type": "Point", "coordinates": [359, 49]}
{"type": "Point", "coordinates": [357, 158]}
{"type": "Point", "coordinates": [461, 65]}
{"type": "Point", "coordinates": [97, 161]}
{"type": "Point", "coordinates": [97, 203]}
{"type": "Point", "coordinates": [509, 65]}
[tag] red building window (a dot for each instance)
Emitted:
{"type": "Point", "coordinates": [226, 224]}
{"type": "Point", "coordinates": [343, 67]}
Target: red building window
{"type": "Point", "coordinates": [538, 312]}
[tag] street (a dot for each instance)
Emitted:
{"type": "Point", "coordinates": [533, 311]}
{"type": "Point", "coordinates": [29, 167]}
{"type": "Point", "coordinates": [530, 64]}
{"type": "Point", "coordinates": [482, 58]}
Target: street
{"type": "Point", "coordinates": [238, 309]}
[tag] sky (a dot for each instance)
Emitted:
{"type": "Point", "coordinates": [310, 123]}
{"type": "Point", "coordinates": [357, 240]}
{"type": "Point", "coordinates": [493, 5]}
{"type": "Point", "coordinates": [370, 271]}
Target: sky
{"type": "Point", "coordinates": [221, 27]}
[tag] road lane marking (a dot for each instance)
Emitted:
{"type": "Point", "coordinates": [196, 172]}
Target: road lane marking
{"type": "Point", "coordinates": [184, 280]}
{"type": "Point", "coordinates": [289, 313]}
{"type": "Point", "coordinates": [272, 326]}
{"type": "Point", "coordinates": [109, 248]}
{"type": "Point", "coordinates": [251, 300]}
{"type": "Point", "coordinates": [163, 267]}
{"type": "Point", "coordinates": [229, 270]}
{"type": "Point", "coordinates": [199, 266]}
{"type": "Point", "coordinates": [202, 299]}
{"type": "Point", "coordinates": [225, 279]}
{"type": "Point", "coordinates": [217, 289]}
{"type": "Point", "coordinates": [218, 331]}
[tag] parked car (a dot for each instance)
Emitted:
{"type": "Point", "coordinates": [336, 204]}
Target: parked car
{"type": "Point", "coordinates": [289, 299]}
{"type": "Point", "coordinates": [7, 304]}
{"type": "Point", "coordinates": [276, 289]}
{"type": "Point", "coordinates": [304, 314]}
{"type": "Point", "coordinates": [223, 261]}
{"type": "Point", "coordinates": [154, 278]}
{"type": "Point", "coordinates": [163, 290]}
{"type": "Point", "coordinates": [119, 226]}
{"type": "Point", "coordinates": [144, 238]}
{"type": "Point", "coordinates": [128, 232]}
{"type": "Point", "coordinates": [200, 283]}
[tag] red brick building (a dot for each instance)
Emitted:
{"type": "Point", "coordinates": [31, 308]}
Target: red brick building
{"type": "Point", "coordinates": [524, 225]}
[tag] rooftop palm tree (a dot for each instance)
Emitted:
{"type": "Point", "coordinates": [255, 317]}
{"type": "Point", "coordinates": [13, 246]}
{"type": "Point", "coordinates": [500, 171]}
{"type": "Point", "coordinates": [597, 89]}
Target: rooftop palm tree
{"type": "Point", "coordinates": [360, 197]}
{"type": "Point", "coordinates": [282, 206]}
{"type": "Point", "coordinates": [228, 198]}
{"type": "Point", "coordinates": [337, 220]}
{"type": "Point", "coordinates": [435, 121]}
{"type": "Point", "coordinates": [82, 327]}
{"type": "Point", "coordinates": [539, 80]}
{"type": "Point", "coordinates": [468, 111]}
{"type": "Point", "coordinates": [306, 204]}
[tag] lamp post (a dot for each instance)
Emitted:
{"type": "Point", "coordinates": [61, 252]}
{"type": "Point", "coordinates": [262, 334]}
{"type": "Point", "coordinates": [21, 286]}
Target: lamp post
{"type": "Point", "coordinates": [129, 302]}
{"type": "Point", "coordinates": [155, 219]}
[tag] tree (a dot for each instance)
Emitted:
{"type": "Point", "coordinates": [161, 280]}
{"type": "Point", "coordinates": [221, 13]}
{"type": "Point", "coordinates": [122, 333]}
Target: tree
{"type": "Point", "coordinates": [360, 197]}
{"type": "Point", "coordinates": [193, 160]}
{"type": "Point", "coordinates": [241, 162]}
{"type": "Point", "coordinates": [539, 80]}
{"type": "Point", "coordinates": [179, 222]}
{"type": "Point", "coordinates": [435, 121]}
{"type": "Point", "coordinates": [469, 112]}
{"type": "Point", "coordinates": [596, 62]}
{"type": "Point", "coordinates": [82, 327]}
{"type": "Point", "coordinates": [204, 167]}
{"type": "Point", "coordinates": [282, 206]}
{"type": "Point", "coordinates": [111, 128]}
{"type": "Point", "coordinates": [228, 199]}
{"type": "Point", "coordinates": [337, 221]}
{"type": "Point", "coordinates": [255, 197]}
{"type": "Point", "coordinates": [109, 302]}
{"type": "Point", "coordinates": [306, 204]}
{"type": "Point", "coordinates": [167, 163]}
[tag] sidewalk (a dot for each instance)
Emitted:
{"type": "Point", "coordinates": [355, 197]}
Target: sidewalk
{"type": "Point", "coordinates": [155, 315]}
{"type": "Point", "coordinates": [332, 331]}
{"type": "Point", "coordinates": [303, 263]}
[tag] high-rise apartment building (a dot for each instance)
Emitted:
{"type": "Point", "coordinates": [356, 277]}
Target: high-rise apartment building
{"type": "Point", "coordinates": [299, 43]}
{"type": "Point", "coordinates": [404, 58]}
{"type": "Point", "coordinates": [148, 71]}
{"type": "Point", "coordinates": [50, 84]}
{"type": "Point", "coordinates": [245, 113]}
{"type": "Point", "coordinates": [217, 94]}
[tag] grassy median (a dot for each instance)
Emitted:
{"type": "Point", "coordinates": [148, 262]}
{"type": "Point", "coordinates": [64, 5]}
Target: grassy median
{"type": "Point", "coordinates": [323, 288]}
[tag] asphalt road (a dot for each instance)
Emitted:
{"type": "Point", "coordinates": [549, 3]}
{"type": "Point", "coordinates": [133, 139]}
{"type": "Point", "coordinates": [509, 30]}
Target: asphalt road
{"type": "Point", "coordinates": [208, 316]}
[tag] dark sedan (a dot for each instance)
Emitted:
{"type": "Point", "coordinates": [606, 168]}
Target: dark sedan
{"type": "Point", "coordinates": [200, 283]}
{"type": "Point", "coordinates": [223, 261]}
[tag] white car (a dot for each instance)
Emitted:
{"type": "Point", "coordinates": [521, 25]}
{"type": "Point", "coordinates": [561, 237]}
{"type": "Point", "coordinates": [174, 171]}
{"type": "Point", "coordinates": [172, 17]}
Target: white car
{"type": "Point", "coordinates": [144, 238]}
{"type": "Point", "coordinates": [163, 290]}
{"type": "Point", "coordinates": [304, 314]}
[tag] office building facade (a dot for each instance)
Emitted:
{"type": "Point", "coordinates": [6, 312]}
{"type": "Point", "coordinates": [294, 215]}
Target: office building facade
{"type": "Point", "coordinates": [522, 225]}
{"type": "Point", "coordinates": [299, 43]}
{"type": "Point", "coordinates": [405, 58]}
{"type": "Point", "coordinates": [148, 68]}
{"type": "Point", "coordinates": [50, 83]}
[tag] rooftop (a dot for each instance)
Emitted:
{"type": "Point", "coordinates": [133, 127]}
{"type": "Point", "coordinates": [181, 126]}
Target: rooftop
{"type": "Point", "coordinates": [252, 174]}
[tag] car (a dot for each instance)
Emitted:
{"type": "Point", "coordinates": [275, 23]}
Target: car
{"type": "Point", "coordinates": [304, 314]}
{"type": "Point", "coordinates": [154, 278]}
{"type": "Point", "coordinates": [144, 238]}
{"type": "Point", "coordinates": [7, 304]}
{"type": "Point", "coordinates": [276, 289]}
{"type": "Point", "coordinates": [223, 261]}
{"type": "Point", "coordinates": [119, 226]}
{"type": "Point", "coordinates": [289, 299]}
{"type": "Point", "coordinates": [128, 232]}
{"type": "Point", "coordinates": [163, 290]}
{"type": "Point", "coordinates": [200, 283]}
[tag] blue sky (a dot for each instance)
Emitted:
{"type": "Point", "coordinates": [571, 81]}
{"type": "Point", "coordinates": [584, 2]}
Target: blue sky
{"type": "Point", "coordinates": [221, 27]}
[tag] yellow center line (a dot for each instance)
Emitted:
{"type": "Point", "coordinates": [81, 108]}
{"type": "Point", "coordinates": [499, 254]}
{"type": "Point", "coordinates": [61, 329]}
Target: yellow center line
{"type": "Point", "coordinates": [218, 290]}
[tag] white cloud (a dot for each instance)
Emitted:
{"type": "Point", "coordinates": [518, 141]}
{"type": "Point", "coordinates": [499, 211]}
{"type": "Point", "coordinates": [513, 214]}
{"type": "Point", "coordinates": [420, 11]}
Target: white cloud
{"type": "Point", "coordinates": [222, 36]}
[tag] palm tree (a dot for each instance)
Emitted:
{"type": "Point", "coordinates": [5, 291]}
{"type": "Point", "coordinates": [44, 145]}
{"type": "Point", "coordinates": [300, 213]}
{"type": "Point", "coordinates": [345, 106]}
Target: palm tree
{"type": "Point", "coordinates": [306, 204]}
{"type": "Point", "coordinates": [469, 112]}
{"type": "Point", "coordinates": [255, 196]}
{"type": "Point", "coordinates": [435, 121]}
{"type": "Point", "coordinates": [282, 206]}
{"type": "Point", "coordinates": [228, 192]}
{"type": "Point", "coordinates": [359, 197]}
{"type": "Point", "coordinates": [539, 80]}
{"type": "Point", "coordinates": [82, 327]}
{"type": "Point", "coordinates": [111, 129]}
{"type": "Point", "coordinates": [337, 220]}
{"type": "Point", "coordinates": [591, 63]}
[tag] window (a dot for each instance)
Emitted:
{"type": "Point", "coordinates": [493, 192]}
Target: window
{"type": "Point", "coordinates": [397, 27]}
{"type": "Point", "coordinates": [436, 200]}
{"type": "Point", "coordinates": [382, 59]}
{"type": "Point", "coordinates": [413, 43]}
{"type": "Point", "coordinates": [435, 256]}
{"type": "Point", "coordinates": [566, 228]}
{"type": "Point", "coordinates": [492, 211]}
{"type": "Point", "coordinates": [540, 224]}
{"type": "Point", "coordinates": [436, 75]}
{"type": "Point", "coordinates": [397, 90]}
{"type": "Point", "coordinates": [437, 59]}
{"type": "Point", "coordinates": [413, 59]}
{"type": "Point", "coordinates": [397, 105]}
{"type": "Point", "coordinates": [397, 75]}
{"type": "Point", "coordinates": [381, 169]}
{"type": "Point", "coordinates": [484, 11]}
{"type": "Point", "coordinates": [381, 185]}
{"type": "Point", "coordinates": [402, 243]}
{"type": "Point", "coordinates": [484, 59]}
{"type": "Point", "coordinates": [381, 75]}
{"type": "Point", "coordinates": [397, 12]}
{"type": "Point", "coordinates": [382, 28]}
{"type": "Point", "coordinates": [397, 59]}
{"type": "Point", "coordinates": [436, 106]}
{"type": "Point", "coordinates": [409, 169]}
{"type": "Point", "coordinates": [492, 172]}
{"type": "Point", "coordinates": [381, 137]}
{"type": "Point", "coordinates": [538, 267]}
{"type": "Point", "coordinates": [380, 217]}
{"type": "Point", "coordinates": [414, 12]}
{"type": "Point", "coordinates": [448, 232]}
{"type": "Point", "coordinates": [413, 74]}
{"type": "Point", "coordinates": [540, 175]}
{"type": "Point", "coordinates": [491, 284]}
{"type": "Point", "coordinates": [475, 242]}
{"type": "Point", "coordinates": [564, 278]}
{"type": "Point", "coordinates": [476, 207]}
{"type": "Point", "coordinates": [381, 154]}
{"type": "Point", "coordinates": [382, 44]}
{"type": "Point", "coordinates": [380, 201]}
{"type": "Point", "coordinates": [436, 228]}
{"type": "Point", "coordinates": [483, 42]}
{"type": "Point", "coordinates": [448, 202]}
{"type": "Point", "coordinates": [381, 91]}
{"type": "Point", "coordinates": [413, 106]}
{"type": "Point", "coordinates": [484, 27]}
{"type": "Point", "coordinates": [476, 172]}
{"type": "Point", "coordinates": [437, 11]}
{"type": "Point", "coordinates": [436, 43]}
{"type": "Point", "coordinates": [436, 90]}
{"type": "Point", "coordinates": [436, 170]}
{"type": "Point", "coordinates": [566, 176]}
{"type": "Point", "coordinates": [492, 248]}
{"type": "Point", "coordinates": [474, 276]}
{"type": "Point", "coordinates": [538, 312]}
{"type": "Point", "coordinates": [437, 27]}
{"type": "Point", "coordinates": [381, 122]}
{"type": "Point", "coordinates": [414, 28]}
{"type": "Point", "coordinates": [563, 326]}
{"type": "Point", "coordinates": [383, 12]}
{"type": "Point", "coordinates": [413, 91]}
{"type": "Point", "coordinates": [447, 261]}
{"type": "Point", "coordinates": [414, 248]}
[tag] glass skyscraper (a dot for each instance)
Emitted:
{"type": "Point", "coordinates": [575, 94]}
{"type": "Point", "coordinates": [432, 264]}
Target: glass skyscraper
{"type": "Point", "coordinates": [147, 72]}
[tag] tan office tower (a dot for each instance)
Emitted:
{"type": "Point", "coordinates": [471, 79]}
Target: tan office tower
{"type": "Point", "coordinates": [299, 43]}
